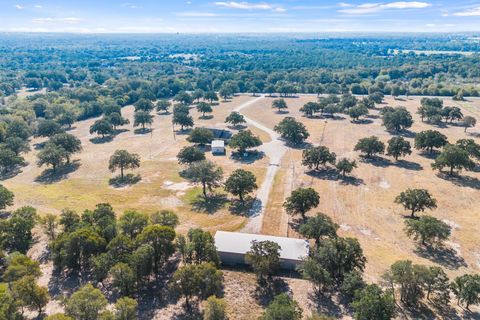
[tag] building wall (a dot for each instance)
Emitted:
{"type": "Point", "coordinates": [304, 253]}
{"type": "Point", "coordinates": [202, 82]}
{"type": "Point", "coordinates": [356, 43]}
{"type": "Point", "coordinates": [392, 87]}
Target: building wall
{"type": "Point", "coordinates": [232, 259]}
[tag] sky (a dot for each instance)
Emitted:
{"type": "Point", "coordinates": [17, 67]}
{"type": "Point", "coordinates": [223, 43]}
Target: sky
{"type": "Point", "coordinates": [204, 16]}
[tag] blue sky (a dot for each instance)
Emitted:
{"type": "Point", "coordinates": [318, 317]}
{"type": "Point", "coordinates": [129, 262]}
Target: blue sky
{"type": "Point", "coordinates": [196, 16]}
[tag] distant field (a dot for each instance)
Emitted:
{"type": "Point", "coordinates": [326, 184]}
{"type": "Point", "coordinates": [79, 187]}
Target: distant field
{"type": "Point", "coordinates": [433, 52]}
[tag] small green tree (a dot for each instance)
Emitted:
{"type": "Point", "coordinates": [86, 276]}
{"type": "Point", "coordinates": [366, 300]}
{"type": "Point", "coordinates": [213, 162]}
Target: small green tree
{"type": "Point", "coordinates": [301, 201]}
{"type": "Point", "coordinates": [132, 223]}
{"type": "Point", "coordinates": [102, 127]}
{"type": "Point", "coordinates": [197, 280]}
{"type": "Point", "coordinates": [31, 295]}
{"type": "Point", "coordinates": [345, 166]}
{"type": "Point", "coordinates": [160, 238]}
{"type": "Point", "coordinates": [282, 307]}
{"type": "Point", "coordinates": [122, 159]}
{"type": "Point", "coordinates": [318, 227]}
{"type": "Point", "coordinates": [163, 106]}
{"type": "Point", "coordinates": [235, 119]}
{"type": "Point", "coordinates": [467, 289]}
{"type": "Point", "coordinates": [166, 218]}
{"type": "Point", "coordinates": [240, 183]}
{"type": "Point", "coordinates": [373, 303]}
{"type": "Point", "coordinates": [6, 197]}
{"type": "Point", "coordinates": [215, 309]}
{"type": "Point", "coordinates": [314, 157]}
{"type": "Point", "coordinates": [416, 200]}
{"type": "Point", "coordinates": [453, 157]}
{"type": "Point", "coordinates": [126, 309]}
{"type": "Point", "coordinates": [143, 105]}
{"type": "Point", "coordinates": [430, 139]}
{"type": "Point", "coordinates": [370, 146]}
{"type": "Point", "coordinates": [48, 128]}
{"type": "Point", "coordinates": [190, 154]}
{"type": "Point", "coordinates": [205, 173]}
{"type": "Point", "coordinates": [397, 119]}
{"type": "Point", "coordinates": [292, 131]}
{"type": "Point", "coordinates": [201, 136]}
{"type": "Point", "coordinates": [198, 247]}
{"type": "Point", "coordinates": [86, 303]}
{"type": "Point", "coordinates": [397, 147]}
{"type": "Point", "coordinates": [428, 230]}
{"type": "Point", "coordinates": [117, 120]}
{"type": "Point", "coordinates": [469, 122]}
{"type": "Point", "coordinates": [279, 104]}
{"type": "Point", "coordinates": [204, 108]}
{"type": "Point", "coordinates": [310, 108]}
{"type": "Point", "coordinates": [123, 278]}
{"type": "Point", "coordinates": [142, 118]}
{"type": "Point", "coordinates": [244, 140]}
{"type": "Point", "coordinates": [357, 111]}
{"type": "Point", "coordinates": [470, 146]}
{"type": "Point", "coordinates": [264, 257]}
{"type": "Point", "coordinates": [67, 142]}
{"type": "Point", "coordinates": [17, 145]}
{"type": "Point", "coordinates": [52, 155]}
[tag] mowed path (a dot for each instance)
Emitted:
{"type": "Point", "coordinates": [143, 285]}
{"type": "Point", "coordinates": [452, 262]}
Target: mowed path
{"type": "Point", "coordinates": [274, 150]}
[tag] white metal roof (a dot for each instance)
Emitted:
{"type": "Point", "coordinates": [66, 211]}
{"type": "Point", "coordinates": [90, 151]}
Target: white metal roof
{"type": "Point", "coordinates": [218, 143]}
{"type": "Point", "coordinates": [236, 242]}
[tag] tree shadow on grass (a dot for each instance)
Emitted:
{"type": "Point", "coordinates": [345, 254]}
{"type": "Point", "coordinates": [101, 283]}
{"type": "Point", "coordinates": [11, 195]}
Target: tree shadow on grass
{"type": "Point", "coordinates": [206, 117]}
{"type": "Point", "coordinates": [127, 180]}
{"type": "Point", "coordinates": [241, 208]}
{"type": "Point", "coordinates": [362, 121]}
{"type": "Point", "coordinates": [409, 165]}
{"type": "Point", "coordinates": [420, 311]}
{"type": "Point", "coordinates": [404, 133]}
{"type": "Point", "coordinates": [324, 304]}
{"type": "Point", "coordinates": [100, 140]}
{"type": "Point", "coordinates": [264, 293]}
{"type": "Point", "coordinates": [250, 158]}
{"type": "Point", "coordinates": [376, 161]}
{"type": "Point", "coordinates": [143, 131]}
{"type": "Point", "coordinates": [446, 257]}
{"type": "Point", "coordinates": [461, 181]}
{"type": "Point", "coordinates": [116, 132]}
{"type": "Point", "coordinates": [49, 176]}
{"type": "Point", "coordinates": [183, 132]}
{"type": "Point", "coordinates": [211, 204]}
{"type": "Point", "coordinates": [5, 175]}
{"type": "Point", "coordinates": [430, 155]}
{"type": "Point", "coordinates": [333, 175]}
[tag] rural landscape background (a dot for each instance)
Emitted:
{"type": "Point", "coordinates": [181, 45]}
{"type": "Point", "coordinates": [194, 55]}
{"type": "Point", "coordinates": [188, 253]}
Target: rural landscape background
{"type": "Point", "coordinates": [365, 145]}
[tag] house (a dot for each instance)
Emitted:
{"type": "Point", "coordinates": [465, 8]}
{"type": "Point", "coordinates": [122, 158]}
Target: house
{"type": "Point", "coordinates": [218, 147]}
{"type": "Point", "coordinates": [233, 246]}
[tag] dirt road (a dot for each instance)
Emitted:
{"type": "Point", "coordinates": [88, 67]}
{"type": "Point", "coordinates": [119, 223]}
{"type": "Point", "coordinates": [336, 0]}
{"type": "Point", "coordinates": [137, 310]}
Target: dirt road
{"type": "Point", "coordinates": [274, 150]}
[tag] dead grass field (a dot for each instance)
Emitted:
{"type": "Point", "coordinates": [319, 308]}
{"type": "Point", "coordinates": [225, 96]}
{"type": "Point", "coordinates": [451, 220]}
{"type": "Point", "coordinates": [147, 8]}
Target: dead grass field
{"type": "Point", "coordinates": [365, 210]}
{"type": "Point", "coordinates": [161, 186]}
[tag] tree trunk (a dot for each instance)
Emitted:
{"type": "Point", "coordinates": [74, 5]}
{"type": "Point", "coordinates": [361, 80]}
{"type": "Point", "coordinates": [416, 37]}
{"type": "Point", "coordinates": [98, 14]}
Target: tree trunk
{"type": "Point", "coordinates": [241, 197]}
{"type": "Point", "coordinates": [121, 172]}
{"type": "Point", "coordinates": [204, 185]}
{"type": "Point", "coordinates": [451, 170]}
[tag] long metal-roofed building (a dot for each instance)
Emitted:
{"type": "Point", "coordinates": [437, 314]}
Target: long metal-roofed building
{"type": "Point", "coordinates": [233, 246]}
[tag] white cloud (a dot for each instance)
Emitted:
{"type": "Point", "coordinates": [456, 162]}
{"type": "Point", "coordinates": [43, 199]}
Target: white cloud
{"type": "Point", "coordinates": [250, 6]}
{"type": "Point", "coordinates": [473, 12]}
{"type": "Point", "coordinates": [345, 5]}
{"type": "Point", "coordinates": [19, 7]}
{"type": "Point", "coordinates": [375, 7]}
{"type": "Point", "coordinates": [130, 5]}
{"type": "Point", "coordinates": [37, 6]}
{"type": "Point", "coordinates": [68, 20]}
{"type": "Point", "coordinates": [197, 14]}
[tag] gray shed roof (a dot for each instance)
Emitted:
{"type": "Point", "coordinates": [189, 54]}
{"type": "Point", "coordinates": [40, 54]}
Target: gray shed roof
{"type": "Point", "coordinates": [240, 243]}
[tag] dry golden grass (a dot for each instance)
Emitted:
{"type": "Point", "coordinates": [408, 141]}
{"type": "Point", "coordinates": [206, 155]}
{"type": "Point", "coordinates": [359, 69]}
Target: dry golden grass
{"type": "Point", "coordinates": [366, 211]}
{"type": "Point", "coordinates": [88, 185]}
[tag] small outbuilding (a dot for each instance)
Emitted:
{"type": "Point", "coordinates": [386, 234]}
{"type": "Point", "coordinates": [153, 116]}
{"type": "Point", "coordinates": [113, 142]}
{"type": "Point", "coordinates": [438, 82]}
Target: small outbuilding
{"type": "Point", "coordinates": [218, 147]}
{"type": "Point", "coordinates": [233, 246]}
